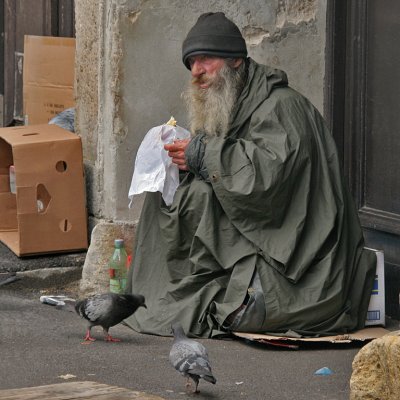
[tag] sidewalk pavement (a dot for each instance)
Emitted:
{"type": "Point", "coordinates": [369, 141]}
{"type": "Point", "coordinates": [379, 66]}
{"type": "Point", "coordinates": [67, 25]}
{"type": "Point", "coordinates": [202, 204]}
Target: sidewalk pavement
{"type": "Point", "coordinates": [40, 345]}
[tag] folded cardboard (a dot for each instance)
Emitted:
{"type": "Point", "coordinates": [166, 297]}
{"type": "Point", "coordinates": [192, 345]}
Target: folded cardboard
{"type": "Point", "coordinates": [48, 77]}
{"type": "Point", "coordinates": [376, 309]}
{"type": "Point", "coordinates": [48, 211]}
{"type": "Point", "coordinates": [358, 336]}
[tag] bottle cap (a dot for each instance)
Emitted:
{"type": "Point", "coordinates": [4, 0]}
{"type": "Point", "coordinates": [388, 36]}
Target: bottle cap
{"type": "Point", "coordinates": [119, 243]}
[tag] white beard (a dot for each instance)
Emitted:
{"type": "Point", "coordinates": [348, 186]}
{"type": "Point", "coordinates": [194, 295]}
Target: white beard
{"type": "Point", "coordinates": [210, 109]}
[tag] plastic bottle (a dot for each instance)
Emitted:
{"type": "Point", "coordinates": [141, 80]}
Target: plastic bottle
{"type": "Point", "coordinates": [117, 267]}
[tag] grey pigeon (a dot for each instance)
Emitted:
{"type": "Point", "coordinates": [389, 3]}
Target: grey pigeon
{"type": "Point", "coordinates": [190, 358]}
{"type": "Point", "coordinates": [107, 310]}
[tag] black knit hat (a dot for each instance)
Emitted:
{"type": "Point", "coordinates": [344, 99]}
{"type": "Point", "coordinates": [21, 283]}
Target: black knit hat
{"type": "Point", "coordinates": [216, 35]}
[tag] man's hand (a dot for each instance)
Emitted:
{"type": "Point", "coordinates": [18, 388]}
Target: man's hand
{"type": "Point", "coordinates": [176, 151]}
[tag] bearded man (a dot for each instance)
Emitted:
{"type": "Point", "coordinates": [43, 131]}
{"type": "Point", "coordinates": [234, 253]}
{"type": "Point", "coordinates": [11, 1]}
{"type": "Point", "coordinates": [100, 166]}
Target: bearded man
{"type": "Point", "coordinates": [262, 234]}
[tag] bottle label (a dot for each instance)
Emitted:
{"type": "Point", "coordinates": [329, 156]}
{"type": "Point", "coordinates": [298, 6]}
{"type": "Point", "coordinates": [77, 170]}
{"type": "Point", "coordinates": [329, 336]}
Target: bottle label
{"type": "Point", "coordinates": [118, 285]}
{"type": "Point", "coordinates": [115, 286]}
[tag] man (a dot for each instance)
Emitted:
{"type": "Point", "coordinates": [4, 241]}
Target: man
{"type": "Point", "coordinates": [262, 235]}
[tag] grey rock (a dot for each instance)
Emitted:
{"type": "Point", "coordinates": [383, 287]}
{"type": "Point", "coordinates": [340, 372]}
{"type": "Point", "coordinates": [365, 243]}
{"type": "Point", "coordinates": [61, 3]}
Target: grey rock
{"type": "Point", "coordinates": [376, 370]}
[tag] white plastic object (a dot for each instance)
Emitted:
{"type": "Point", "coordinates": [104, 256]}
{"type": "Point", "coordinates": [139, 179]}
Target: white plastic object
{"type": "Point", "coordinates": [13, 188]}
{"type": "Point", "coordinates": [154, 170]}
{"type": "Point", "coordinates": [55, 300]}
{"type": "Point", "coordinates": [40, 205]}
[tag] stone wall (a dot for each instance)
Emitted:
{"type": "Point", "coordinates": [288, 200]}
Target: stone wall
{"type": "Point", "coordinates": [129, 75]}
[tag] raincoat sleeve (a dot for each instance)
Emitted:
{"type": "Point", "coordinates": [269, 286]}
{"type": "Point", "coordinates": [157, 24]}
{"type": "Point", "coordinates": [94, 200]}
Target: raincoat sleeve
{"type": "Point", "coordinates": [194, 155]}
{"type": "Point", "coordinates": [264, 181]}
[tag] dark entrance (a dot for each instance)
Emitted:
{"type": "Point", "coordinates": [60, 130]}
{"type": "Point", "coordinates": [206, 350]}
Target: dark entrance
{"type": "Point", "coordinates": [19, 18]}
{"type": "Point", "coordinates": [363, 109]}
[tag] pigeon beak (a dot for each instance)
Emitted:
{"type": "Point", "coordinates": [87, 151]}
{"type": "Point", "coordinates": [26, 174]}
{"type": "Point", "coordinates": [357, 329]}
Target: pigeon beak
{"type": "Point", "coordinates": [144, 305]}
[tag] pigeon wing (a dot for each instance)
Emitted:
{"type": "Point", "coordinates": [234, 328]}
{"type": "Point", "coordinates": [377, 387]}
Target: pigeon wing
{"type": "Point", "coordinates": [184, 350]}
{"type": "Point", "coordinates": [94, 308]}
{"type": "Point", "coordinates": [201, 367]}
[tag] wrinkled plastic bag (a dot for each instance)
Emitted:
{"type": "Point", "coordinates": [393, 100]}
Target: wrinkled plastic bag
{"type": "Point", "coordinates": [154, 170]}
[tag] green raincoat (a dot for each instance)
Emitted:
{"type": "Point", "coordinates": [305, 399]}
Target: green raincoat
{"type": "Point", "coordinates": [275, 203]}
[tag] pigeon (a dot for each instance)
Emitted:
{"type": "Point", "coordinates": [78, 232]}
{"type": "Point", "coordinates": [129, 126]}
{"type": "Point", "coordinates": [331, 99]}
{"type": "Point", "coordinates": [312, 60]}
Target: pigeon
{"type": "Point", "coordinates": [190, 358]}
{"type": "Point", "coordinates": [107, 310]}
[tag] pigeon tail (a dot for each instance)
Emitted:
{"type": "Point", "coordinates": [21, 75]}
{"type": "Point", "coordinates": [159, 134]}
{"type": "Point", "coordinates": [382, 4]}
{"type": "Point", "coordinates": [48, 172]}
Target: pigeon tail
{"type": "Point", "coordinates": [189, 357]}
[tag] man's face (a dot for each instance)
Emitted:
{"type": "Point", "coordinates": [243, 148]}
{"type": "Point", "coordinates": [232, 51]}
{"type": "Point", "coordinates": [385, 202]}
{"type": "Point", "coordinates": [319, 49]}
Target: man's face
{"type": "Point", "coordinates": [205, 68]}
{"type": "Point", "coordinates": [213, 92]}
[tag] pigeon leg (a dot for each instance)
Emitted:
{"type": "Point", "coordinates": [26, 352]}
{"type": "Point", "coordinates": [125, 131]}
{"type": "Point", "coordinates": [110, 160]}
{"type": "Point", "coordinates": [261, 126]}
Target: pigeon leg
{"type": "Point", "coordinates": [88, 337]}
{"type": "Point", "coordinates": [196, 381]}
{"type": "Point", "coordinates": [188, 383]}
{"type": "Point", "coordinates": [108, 337]}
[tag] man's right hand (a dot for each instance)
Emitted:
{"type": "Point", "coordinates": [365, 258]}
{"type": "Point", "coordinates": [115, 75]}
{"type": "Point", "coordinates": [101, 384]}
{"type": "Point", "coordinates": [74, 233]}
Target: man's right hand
{"type": "Point", "coordinates": [176, 151]}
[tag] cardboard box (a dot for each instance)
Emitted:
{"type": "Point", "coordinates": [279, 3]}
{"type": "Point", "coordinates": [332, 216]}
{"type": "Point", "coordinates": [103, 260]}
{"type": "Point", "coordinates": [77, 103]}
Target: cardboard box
{"type": "Point", "coordinates": [48, 211]}
{"type": "Point", "coordinates": [376, 308]}
{"type": "Point", "coordinates": [48, 77]}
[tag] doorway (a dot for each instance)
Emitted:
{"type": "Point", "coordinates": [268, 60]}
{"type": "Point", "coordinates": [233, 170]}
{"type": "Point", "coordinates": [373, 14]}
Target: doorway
{"type": "Point", "coordinates": [363, 97]}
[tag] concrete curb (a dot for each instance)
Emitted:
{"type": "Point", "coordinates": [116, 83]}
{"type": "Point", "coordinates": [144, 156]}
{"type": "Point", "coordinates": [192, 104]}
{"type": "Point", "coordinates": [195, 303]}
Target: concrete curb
{"type": "Point", "coordinates": [50, 276]}
{"type": "Point", "coordinates": [9, 262]}
{"type": "Point", "coordinates": [44, 278]}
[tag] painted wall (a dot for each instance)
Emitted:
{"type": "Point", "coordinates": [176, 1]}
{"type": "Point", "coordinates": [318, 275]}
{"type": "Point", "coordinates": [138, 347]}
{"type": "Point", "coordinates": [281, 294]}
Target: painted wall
{"type": "Point", "coordinates": [129, 75]}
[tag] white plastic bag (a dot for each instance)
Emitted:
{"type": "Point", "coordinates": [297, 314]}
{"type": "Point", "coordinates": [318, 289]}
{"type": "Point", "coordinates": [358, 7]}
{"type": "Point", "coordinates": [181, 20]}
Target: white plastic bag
{"type": "Point", "coordinates": [154, 170]}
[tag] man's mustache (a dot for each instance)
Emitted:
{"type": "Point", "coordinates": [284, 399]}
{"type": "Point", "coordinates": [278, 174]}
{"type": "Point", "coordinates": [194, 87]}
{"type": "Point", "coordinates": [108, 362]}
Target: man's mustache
{"type": "Point", "coordinates": [199, 80]}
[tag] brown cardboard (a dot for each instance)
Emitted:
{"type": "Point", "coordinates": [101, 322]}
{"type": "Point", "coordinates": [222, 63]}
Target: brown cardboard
{"type": "Point", "coordinates": [48, 212]}
{"type": "Point", "coordinates": [361, 336]}
{"type": "Point", "coordinates": [48, 76]}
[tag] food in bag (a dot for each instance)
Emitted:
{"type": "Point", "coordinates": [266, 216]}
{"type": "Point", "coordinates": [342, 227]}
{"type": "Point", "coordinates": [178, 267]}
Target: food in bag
{"type": "Point", "coordinates": [154, 170]}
